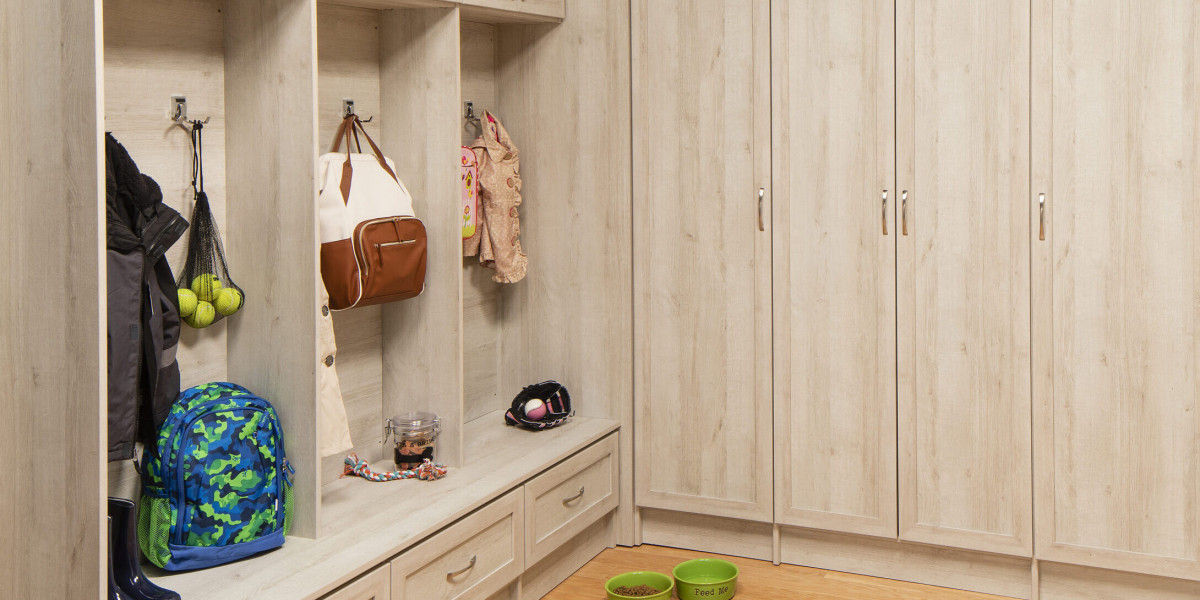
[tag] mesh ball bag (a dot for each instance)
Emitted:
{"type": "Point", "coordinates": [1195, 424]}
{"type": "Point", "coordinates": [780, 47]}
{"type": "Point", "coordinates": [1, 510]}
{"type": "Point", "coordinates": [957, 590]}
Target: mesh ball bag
{"type": "Point", "coordinates": [556, 399]}
{"type": "Point", "coordinates": [207, 292]}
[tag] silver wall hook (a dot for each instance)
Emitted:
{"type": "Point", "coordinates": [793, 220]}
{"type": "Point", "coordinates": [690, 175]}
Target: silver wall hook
{"type": "Point", "coordinates": [348, 110]}
{"type": "Point", "coordinates": [179, 113]}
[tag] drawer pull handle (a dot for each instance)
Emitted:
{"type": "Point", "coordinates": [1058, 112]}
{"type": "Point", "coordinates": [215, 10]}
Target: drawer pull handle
{"type": "Point", "coordinates": [575, 497]}
{"type": "Point", "coordinates": [885, 212]}
{"type": "Point", "coordinates": [453, 574]}
{"type": "Point", "coordinates": [1042, 217]}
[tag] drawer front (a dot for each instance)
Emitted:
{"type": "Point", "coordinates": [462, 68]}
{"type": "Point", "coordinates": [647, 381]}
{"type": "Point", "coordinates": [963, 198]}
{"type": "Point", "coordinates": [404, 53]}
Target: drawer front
{"type": "Point", "coordinates": [372, 586]}
{"type": "Point", "coordinates": [473, 558]}
{"type": "Point", "coordinates": [564, 500]}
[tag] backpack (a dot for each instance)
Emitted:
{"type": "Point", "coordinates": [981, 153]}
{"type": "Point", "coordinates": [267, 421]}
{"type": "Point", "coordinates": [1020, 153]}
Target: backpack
{"type": "Point", "coordinates": [216, 488]}
{"type": "Point", "coordinates": [373, 248]}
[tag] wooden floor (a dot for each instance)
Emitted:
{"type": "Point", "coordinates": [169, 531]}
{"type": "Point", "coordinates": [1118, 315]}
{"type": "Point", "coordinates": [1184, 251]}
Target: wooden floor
{"type": "Point", "coordinates": [757, 580]}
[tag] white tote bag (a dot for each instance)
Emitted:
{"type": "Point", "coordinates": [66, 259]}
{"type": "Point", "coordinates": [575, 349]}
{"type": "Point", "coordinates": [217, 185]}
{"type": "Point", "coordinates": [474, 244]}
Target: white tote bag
{"type": "Point", "coordinates": [373, 248]}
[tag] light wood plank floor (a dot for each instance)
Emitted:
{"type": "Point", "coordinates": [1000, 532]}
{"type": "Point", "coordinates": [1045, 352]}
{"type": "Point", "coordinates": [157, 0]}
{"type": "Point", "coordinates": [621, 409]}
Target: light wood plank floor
{"type": "Point", "coordinates": [757, 580]}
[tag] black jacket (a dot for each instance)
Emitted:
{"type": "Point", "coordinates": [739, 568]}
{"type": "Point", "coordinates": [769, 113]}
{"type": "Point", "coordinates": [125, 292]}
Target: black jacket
{"type": "Point", "coordinates": [143, 305]}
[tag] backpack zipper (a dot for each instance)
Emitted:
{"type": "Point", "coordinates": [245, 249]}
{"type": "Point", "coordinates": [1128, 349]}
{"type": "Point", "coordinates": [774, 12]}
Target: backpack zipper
{"type": "Point", "coordinates": [365, 269]}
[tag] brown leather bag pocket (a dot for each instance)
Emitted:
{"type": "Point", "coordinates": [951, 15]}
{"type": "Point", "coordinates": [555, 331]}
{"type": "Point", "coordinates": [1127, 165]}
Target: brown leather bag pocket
{"type": "Point", "coordinates": [391, 258]}
{"type": "Point", "coordinates": [339, 270]}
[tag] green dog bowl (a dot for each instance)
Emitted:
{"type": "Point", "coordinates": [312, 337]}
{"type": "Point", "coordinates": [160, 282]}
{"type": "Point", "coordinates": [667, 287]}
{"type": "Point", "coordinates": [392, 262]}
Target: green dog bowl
{"type": "Point", "coordinates": [657, 581]}
{"type": "Point", "coordinates": [706, 579]}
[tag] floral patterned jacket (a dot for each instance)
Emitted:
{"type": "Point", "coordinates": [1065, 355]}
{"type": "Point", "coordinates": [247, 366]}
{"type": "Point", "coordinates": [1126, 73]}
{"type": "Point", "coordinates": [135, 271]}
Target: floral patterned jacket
{"type": "Point", "coordinates": [497, 238]}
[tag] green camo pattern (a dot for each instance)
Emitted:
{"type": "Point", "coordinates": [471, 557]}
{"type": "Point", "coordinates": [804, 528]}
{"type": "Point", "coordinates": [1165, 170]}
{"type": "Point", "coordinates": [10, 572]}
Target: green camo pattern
{"type": "Point", "coordinates": [223, 446]}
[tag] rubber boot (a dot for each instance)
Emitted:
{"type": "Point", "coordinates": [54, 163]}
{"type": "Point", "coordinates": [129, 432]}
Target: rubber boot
{"type": "Point", "coordinates": [114, 591]}
{"type": "Point", "coordinates": [126, 568]}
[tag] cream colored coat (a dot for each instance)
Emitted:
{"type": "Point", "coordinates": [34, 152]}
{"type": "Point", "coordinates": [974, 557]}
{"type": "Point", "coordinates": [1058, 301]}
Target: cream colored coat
{"type": "Point", "coordinates": [334, 427]}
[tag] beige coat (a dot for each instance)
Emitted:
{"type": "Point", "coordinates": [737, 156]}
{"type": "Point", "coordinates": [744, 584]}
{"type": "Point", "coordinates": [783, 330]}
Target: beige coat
{"type": "Point", "coordinates": [497, 238]}
{"type": "Point", "coordinates": [334, 433]}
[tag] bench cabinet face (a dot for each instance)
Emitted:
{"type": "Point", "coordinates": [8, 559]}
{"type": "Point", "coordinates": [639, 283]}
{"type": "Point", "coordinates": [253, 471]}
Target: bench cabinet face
{"type": "Point", "coordinates": [473, 558]}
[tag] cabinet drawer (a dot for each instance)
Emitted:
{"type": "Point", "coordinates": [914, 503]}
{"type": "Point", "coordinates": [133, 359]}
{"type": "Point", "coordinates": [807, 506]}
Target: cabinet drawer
{"type": "Point", "coordinates": [473, 558]}
{"type": "Point", "coordinates": [372, 586]}
{"type": "Point", "coordinates": [564, 500]}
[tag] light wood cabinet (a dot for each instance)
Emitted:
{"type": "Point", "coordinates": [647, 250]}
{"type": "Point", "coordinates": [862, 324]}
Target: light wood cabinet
{"type": "Point", "coordinates": [963, 274]}
{"type": "Point", "coordinates": [1117, 284]}
{"type": "Point", "coordinates": [702, 343]}
{"type": "Point", "coordinates": [834, 265]}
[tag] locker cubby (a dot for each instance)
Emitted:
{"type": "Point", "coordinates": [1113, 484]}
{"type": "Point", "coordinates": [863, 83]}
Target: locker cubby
{"type": "Point", "coordinates": [257, 167]}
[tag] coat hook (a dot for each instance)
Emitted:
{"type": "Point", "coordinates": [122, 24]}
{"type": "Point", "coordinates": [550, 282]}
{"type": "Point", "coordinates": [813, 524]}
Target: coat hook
{"type": "Point", "coordinates": [179, 112]}
{"type": "Point", "coordinates": [348, 110]}
{"type": "Point", "coordinates": [470, 112]}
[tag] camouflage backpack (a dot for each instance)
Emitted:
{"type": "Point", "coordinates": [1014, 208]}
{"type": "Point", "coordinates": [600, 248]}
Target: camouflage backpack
{"type": "Point", "coordinates": [217, 490]}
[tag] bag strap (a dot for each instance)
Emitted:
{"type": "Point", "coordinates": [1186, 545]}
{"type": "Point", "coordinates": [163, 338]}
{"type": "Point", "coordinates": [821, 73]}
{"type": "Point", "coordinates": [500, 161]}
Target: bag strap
{"type": "Point", "coordinates": [197, 158]}
{"type": "Point", "coordinates": [352, 124]}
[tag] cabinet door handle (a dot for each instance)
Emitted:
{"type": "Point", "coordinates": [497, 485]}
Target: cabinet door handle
{"type": "Point", "coordinates": [1042, 216]}
{"type": "Point", "coordinates": [904, 212]}
{"type": "Point", "coordinates": [453, 574]}
{"type": "Point", "coordinates": [575, 497]}
{"type": "Point", "coordinates": [885, 212]}
{"type": "Point", "coordinates": [761, 193]}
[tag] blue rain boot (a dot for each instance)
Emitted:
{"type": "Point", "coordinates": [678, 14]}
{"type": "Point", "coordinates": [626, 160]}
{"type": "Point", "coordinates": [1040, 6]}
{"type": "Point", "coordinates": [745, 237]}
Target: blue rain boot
{"type": "Point", "coordinates": [125, 554]}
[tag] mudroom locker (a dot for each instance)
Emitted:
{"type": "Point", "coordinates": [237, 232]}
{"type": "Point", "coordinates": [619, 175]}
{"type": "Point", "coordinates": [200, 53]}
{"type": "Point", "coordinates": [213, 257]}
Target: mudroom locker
{"type": "Point", "coordinates": [899, 288]}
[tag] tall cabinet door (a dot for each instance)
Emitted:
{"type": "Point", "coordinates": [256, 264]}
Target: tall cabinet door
{"type": "Point", "coordinates": [963, 278]}
{"type": "Point", "coordinates": [702, 272]}
{"type": "Point", "coordinates": [1117, 283]}
{"type": "Point", "coordinates": [835, 264]}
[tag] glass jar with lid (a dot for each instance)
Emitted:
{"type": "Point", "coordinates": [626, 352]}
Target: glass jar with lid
{"type": "Point", "coordinates": [415, 436]}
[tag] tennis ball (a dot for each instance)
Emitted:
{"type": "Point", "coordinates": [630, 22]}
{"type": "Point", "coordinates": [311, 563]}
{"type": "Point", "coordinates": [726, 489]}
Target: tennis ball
{"type": "Point", "coordinates": [228, 301]}
{"type": "Point", "coordinates": [206, 286]}
{"type": "Point", "coordinates": [187, 302]}
{"type": "Point", "coordinates": [203, 317]}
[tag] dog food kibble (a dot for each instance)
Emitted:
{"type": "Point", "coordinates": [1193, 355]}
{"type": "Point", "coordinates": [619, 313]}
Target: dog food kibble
{"type": "Point", "coordinates": [637, 591]}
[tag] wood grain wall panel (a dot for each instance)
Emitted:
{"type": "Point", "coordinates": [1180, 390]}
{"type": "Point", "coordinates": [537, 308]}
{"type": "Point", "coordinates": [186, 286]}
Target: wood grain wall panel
{"type": "Point", "coordinates": [701, 152]}
{"type": "Point", "coordinates": [482, 325]}
{"type": "Point", "coordinates": [52, 257]}
{"type": "Point", "coordinates": [152, 51]}
{"type": "Point", "coordinates": [564, 96]}
{"type": "Point", "coordinates": [419, 97]}
{"type": "Point", "coordinates": [834, 266]}
{"type": "Point", "coordinates": [1118, 430]}
{"type": "Point", "coordinates": [963, 277]}
{"type": "Point", "coordinates": [270, 89]}
{"type": "Point", "coordinates": [348, 67]}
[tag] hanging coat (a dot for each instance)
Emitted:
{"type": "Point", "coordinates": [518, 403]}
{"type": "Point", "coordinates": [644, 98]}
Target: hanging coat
{"type": "Point", "coordinates": [143, 304]}
{"type": "Point", "coordinates": [497, 238]}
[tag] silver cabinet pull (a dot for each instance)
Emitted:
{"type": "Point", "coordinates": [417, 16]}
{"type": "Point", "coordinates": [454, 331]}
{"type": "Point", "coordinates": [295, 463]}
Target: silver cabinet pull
{"type": "Point", "coordinates": [1042, 216]}
{"type": "Point", "coordinates": [575, 497]}
{"type": "Point", "coordinates": [761, 193]}
{"type": "Point", "coordinates": [904, 212]}
{"type": "Point", "coordinates": [453, 574]}
{"type": "Point", "coordinates": [885, 212]}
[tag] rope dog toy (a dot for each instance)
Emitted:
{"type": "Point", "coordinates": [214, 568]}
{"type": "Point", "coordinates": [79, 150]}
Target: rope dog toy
{"type": "Point", "coordinates": [428, 471]}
